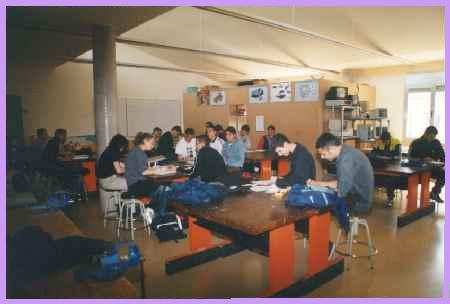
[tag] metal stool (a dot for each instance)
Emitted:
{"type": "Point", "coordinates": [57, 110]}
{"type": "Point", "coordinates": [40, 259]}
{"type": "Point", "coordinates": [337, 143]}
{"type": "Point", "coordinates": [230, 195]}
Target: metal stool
{"type": "Point", "coordinates": [355, 222]}
{"type": "Point", "coordinates": [112, 203]}
{"type": "Point", "coordinates": [128, 205]}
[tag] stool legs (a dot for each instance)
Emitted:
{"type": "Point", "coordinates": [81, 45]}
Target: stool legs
{"type": "Point", "coordinates": [128, 210]}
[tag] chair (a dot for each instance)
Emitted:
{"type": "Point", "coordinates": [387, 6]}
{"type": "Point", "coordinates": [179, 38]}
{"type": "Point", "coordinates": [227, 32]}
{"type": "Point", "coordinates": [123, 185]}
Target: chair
{"type": "Point", "coordinates": [130, 208]}
{"type": "Point", "coordinates": [355, 222]}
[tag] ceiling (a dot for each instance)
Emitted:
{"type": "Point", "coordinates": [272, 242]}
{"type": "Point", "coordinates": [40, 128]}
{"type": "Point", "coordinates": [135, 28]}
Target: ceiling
{"type": "Point", "coordinates": [415, 34]}
{"type": "Point", "coordinates": [28, 44]}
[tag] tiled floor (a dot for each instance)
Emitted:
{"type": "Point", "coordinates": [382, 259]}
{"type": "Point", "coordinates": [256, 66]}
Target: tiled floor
{"type": "Point", "coordinates": [409, 264]}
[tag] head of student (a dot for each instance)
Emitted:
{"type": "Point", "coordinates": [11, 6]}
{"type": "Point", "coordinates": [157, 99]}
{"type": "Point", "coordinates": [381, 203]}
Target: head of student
{"type": "Point", "coordinates": [201, 142]}
{"type": "Point", "coordinates": [230, 134]}
{"type": "Point", "coordinates": [189, 134]}
{"type": "Point", "coordinates": [430, 133]}
{"type": "Point", "coordinates": [176, 131]}
{"type": "Point", "coordinates": [61, 135]}
{"type": "Point", "coordinates": [271, 130]}
{"type": "Point", "coordinates": [144, 141]}
{"type": "Point", "coordinates": [208, 124]}
{"type": "Point", "coordinates": [211, 132]}
{"type": "Point", "coordinates": [283, 147]}
{"type": "Point", "coordinates": [328, 146]}
{"type": "Point", "coordinates": [42, 133]}
{"type": "Point", "coordinates": [245, 130]}
{"type": "Point", "coordinates": [119, 143]}
{"type": "Point", "coordinates": [157, 131]}
{"type": "Point", "coordinates": [385, 137]}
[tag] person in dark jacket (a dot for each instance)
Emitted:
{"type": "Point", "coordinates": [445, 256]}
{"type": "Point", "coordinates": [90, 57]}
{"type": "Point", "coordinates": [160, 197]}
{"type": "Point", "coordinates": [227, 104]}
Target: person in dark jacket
{"type": "Point", "coordinates": [303, 167]}
{"type": "Point", "coordinates": [166, 143]}
{"type": "Point", "coordinates": [428, 148]}
{"type": "Point", "coordinates": [209, 165]}
{"type": "Point", "coordinates": [53, 151]}
{"type": "Point", "coordinates": [267, 142]}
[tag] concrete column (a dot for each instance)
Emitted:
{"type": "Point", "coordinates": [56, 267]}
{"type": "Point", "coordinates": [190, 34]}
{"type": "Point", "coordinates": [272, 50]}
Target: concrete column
{"type": "Point", "coordinates": [105, 85]}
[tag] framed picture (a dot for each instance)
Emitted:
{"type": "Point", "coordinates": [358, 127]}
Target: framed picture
{"type": "Point", "coordinates": [280, 92]}
{"type": "Point", "coordinates": [217, 98]}
{"type": "Point", "coordinates": [258, 94]}
{"type": "Point", "coordinates": [307, 90]}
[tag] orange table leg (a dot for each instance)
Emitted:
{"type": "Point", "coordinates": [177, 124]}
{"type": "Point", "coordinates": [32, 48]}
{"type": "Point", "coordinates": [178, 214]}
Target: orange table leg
{"type": "Point", "coordinates": [425, 189]}
{"type": "Point", "coordinates": [266, 169]}
{"type": "Point", "coordinates": [283, 167]}
{"type": "Point", "coordinates": [199, 237]}
{"type": "Point", "coordinates": [413, 183]}
{"type": "Point", "coordinates": [281, 258]}
{"type": "Point", "coordinates": [90, 179]}
{"type": "Point", "coordinates": [319, 237]}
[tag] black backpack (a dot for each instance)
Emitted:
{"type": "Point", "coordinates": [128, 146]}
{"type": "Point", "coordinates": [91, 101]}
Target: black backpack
{"type": "Point", "coordinates": [168, 227]}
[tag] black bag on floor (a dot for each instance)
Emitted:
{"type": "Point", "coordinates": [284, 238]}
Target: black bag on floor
{"type": "Point", "coordinates": [168, 227]}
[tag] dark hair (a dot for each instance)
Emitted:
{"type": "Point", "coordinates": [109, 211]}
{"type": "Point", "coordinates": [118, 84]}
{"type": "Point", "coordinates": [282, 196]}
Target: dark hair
{"type": "Point", "coordinates": [246, 128]}
{"type": "Point", "coordinates": [60, 132]}
{"type": "Point", "coordinates": [157, 129]}
{"type": "Point", "coordinates": [140, 137]}
{"type": "Point", "coordinates": [230, 129]}
{"type": "Point", "coordinates": [431, 130]}
{"type": "Point", "coordinates": [203, 139]}
{"type": "Point", "coordinates": [280, 139]}
{"type": "Point", "coordinates": [209, 124]}
{"type": "Point", "coordinates": [271, 127]}
{"type": "Point", "coordinates": [218, 128]}
{"type": "Point", "coordinates": [326, 140]}
{"type": "Point", "coordinates": [178, 129]}
{"type": "Point", "coordinates": [189, 131]}
{"type": "Point", "coordinates": [118, 142]}
{"type": "Point", "coordinates": [385, 135]}
{"type": "Point", "coordinates": [40, 132]}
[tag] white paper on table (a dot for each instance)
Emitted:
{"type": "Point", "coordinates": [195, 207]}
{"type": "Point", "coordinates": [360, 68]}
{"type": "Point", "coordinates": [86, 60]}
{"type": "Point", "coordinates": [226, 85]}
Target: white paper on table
{"type": "Point", "coordinates": [259, 123]}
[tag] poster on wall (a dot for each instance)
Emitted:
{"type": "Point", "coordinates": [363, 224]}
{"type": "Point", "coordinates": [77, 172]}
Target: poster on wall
{"type": "Point", "coordinates": [280, 92]}
{"type": "Point", "coordinates": [307, 90]}
{"type": "Point", "coordinates": [217, 98]}
{"type": "Point", "coordinates": [258, 94]}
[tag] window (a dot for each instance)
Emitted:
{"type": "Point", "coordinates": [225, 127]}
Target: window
{"type": "Point", "coordinates": [425, 107]}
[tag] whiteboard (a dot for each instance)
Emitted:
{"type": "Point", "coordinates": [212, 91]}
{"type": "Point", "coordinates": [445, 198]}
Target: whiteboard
{"type": "Point", "coordinates": [142, 115]}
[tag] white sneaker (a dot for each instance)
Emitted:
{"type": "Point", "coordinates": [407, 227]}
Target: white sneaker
{"type": "Point", "coordinates": [149, 214]}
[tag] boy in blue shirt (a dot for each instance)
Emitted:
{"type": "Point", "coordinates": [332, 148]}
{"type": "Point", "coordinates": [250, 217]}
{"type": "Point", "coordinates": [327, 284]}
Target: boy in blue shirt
{"type": "Point", "coordinates": [233, 150]}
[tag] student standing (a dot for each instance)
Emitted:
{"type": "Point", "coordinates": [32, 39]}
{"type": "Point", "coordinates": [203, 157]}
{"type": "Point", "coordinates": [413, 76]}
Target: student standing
{"type": "Point", "coordinates": [303, 167]}
{"type": "Point", "coordinates": [209, 165]}
{"type": "Point", "coordinates": [186, 147]}
{"type": "Point", "coordinates": [428, 148]}
{"type": "Point", "coordinates": [233, 150]}
{"type": "Point", "coordinates": [215, 141]}
{"type": "Point", "coordinates": [355, 180]}
{"type": "Point", "coordinates": [166, 143]}
{"type": "Point", "coordinates": [245, 137]}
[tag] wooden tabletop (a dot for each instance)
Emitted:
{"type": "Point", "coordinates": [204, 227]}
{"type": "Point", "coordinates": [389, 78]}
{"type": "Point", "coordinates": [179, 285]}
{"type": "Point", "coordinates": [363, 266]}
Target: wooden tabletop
{"type": "Point", "coordinates": [396, 168]}
{"type": "Point", "coordinates": [253, 213]}
{"type": "Point", "coordinates": [261, 155]}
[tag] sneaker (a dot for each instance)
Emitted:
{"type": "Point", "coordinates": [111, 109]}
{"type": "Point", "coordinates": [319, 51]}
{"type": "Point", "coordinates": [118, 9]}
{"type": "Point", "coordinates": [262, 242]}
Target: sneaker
{"type": "Point", "coordinates": [389, 203]}
{"type": "Point", "coordinates": [435, 197]}
{"type": "Point", "coordinates": [149, 214]}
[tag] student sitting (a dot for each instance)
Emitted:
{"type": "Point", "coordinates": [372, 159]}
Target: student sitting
{"type": "Point", "coordinates": [355, 180]}
{"type": "Point", "coordinates": [245, 137]}
{"type": "Point", "coordinates": [166, 143]}
{"type": "Point", "coordinates": [215, 141]}
{"type": "Point", "coordinates": [54, 150]}
{"type": "Point", "coordinates": [233, 150]}
{"type": "Point", "coordinates": [110, 168]}
{"type": "Point", "coordinates": [208, 124]}
{"type": "Point", "coordinates": [156, 134]}
{"type": "Point", "coordinates": [428, 148]}
{"type": "Point", "coordinates": [137, 169]}
{"type": "Point", "coordinates": [267, 142]}
{"type": "Point", "coordinates": [185, 149]}
{"type": "Point", "coordinates": [209, 165]}
{"type": "Point", "coordinates": [303, 167]}
{"type": "Point", "coordinates": [388, 146]}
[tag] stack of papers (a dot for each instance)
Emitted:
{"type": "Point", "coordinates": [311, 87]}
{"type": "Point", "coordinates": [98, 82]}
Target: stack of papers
{"type": "Point", "coordinates": [266, 186]}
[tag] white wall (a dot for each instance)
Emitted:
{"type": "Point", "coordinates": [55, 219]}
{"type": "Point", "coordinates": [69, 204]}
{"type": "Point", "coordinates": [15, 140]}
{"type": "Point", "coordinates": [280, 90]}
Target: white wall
{"type": "Point", "coordinates": [391, 86]}
{"type": "Point", "coordinates": [62, 97]}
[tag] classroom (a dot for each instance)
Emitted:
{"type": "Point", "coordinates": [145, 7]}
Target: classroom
{"type": "Point", "coordinates": [214, 152]}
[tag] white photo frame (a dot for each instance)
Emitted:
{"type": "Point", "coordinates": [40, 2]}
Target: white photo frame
{"type": "Point", "coordinates": [258, 94]}
{"type": "Point", "coordinates": [281, 92]}
{"type": "Point", "coordinates": [306, 90]}
{"type": "Point", "coordinates": [217, 98]}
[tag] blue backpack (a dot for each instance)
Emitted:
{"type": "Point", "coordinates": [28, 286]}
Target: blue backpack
{"type": "Point", "coordinates": [302, 196]}
{"type": "Point", "coordinates": [194, 192]}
